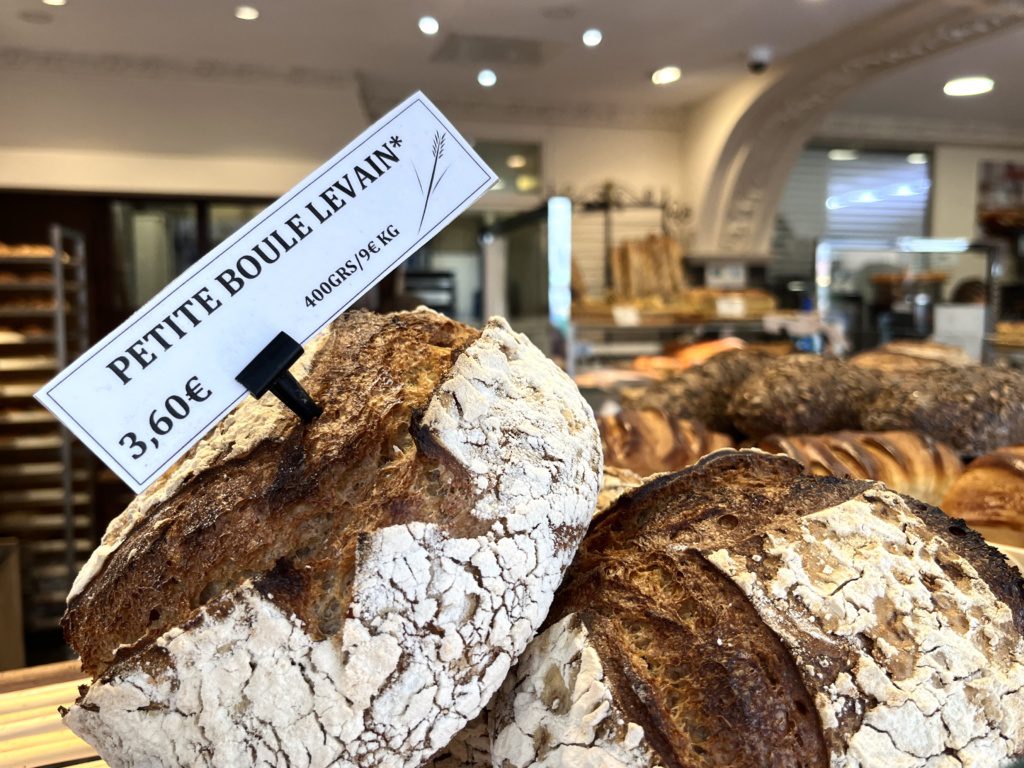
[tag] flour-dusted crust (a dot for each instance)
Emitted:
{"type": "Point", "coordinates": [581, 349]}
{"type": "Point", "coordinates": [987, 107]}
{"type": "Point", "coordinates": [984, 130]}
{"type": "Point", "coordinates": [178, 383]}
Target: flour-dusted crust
{"type": "Point", "coordinates": [469, 748]}
{"type": "Point", "coordinates": [438, 611]}
{"type": "Point", "coordinates": [742, 613]}
{"type": "Point", "coordinates": [558, 710]}
{"type": "Point", "coordinates": [935, 666]}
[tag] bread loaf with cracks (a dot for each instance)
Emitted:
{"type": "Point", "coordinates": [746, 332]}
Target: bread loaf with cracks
{"type": "Point", "coordinates": [349, 592]}
{"type": "Point", "coordinates": [741, 613]}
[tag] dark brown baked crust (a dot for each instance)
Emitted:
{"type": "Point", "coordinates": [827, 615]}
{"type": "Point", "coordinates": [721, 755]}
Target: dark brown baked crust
{"type": "Point", "coordinates": [803, 394]}
{"type": "Point", "coordinates": [703, 391]}
{"type": "Point", "coordinates": [975, 410]}
{"type": "Point", "coordinates": [289, 511]}
{"type": "Point", "coordinates": [683, 651]}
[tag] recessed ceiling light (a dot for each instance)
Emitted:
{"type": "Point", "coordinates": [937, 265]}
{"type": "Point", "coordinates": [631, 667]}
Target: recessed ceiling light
{"type": "Point", "coordinates": [429, 25]}
{"type": "Point", "coordinates": [56, 3]}
{"type": "Point", "coordinates": [842, 155]}
{"type": "Point", "coordinates": [516, 161]}
{"type": "Point", "coordinates": [917, 158]}
{"type": "Point", "coordinates": [592, 38]}
{"type": "Point", "coordinates": [666, 75]}
{"type": "Point", "coordinates": [486, 77]}
{"type": "Point", "coordinates": [968, 86]}
{"type": "Point", "coordinates": [246, 13]}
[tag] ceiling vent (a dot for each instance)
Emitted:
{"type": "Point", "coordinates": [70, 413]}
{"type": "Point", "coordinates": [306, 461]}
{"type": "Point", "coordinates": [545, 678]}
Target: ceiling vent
{"type": "Point", "coordinates": [486, 50]}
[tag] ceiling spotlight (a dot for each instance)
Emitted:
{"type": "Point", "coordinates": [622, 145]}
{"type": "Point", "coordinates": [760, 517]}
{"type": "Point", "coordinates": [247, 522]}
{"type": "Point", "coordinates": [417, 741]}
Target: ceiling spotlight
{"type": "Point", "coordinates": [592, 38]}
{"type": "Point", "coordinates": [843, 155]}
{"type": "Point", "coordinates": [968, 86]}
{"type": "Point", "coordinates": [429, 25]}
{"type": "Point", "coordinates": [486, 78]}
{"type": "Point", "coordinates": [917, 158]}
{"type": "Point", "coordinates": [516, 161]}
{"type": "Point", "coordinates": [666, 75]}
{"type": "Point", "coordinates": [246, 13]}
{"type": "Point", "coordinates": [56, 3]}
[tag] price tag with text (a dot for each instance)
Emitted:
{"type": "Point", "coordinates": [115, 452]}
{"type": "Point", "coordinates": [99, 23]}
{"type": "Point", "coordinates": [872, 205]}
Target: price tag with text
{"type": "Point", "coordinates": [152, 388]}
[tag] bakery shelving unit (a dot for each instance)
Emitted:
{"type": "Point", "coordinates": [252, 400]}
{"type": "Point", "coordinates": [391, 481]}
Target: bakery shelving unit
{"type": "Point", "coordinates": [45, 476]}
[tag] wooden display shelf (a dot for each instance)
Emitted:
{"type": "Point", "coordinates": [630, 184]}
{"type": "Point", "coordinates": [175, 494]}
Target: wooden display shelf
{"type": "Point", "coordinates": [25, 417]}
{"type": "Point", "coordinates": [31, 732]}
{"type": "Point", "coordinates": [37, 261]}
{"type": "Point", "coordinates": [22, 286]}
{"type": "Point", "coordinates": [26, 314]}
{"type": "Point", "coordinates": [18, 341]}
{"type": "Point", "coordinates": [28, 364]}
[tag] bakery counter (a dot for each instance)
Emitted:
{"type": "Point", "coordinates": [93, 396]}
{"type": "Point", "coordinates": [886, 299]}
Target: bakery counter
{"type": "Point", "coordinates": [31, 732]}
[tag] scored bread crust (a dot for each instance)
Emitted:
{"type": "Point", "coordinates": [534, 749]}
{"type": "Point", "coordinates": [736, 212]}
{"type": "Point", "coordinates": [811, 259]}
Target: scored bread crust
{"type": "Point", "coordinates": [647, 441]}
{"type": "Point", "coordinates": [990, 492]}
{"type": "Point", "coordinates": [742, 614]}
{"type": "Point", "coordinates": [908, 462]}
{"type": "Point", "coordinates": [441, 598]}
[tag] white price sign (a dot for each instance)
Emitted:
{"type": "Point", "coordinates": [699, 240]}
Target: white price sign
{"type": "Point", "coordinates": [150, 390]}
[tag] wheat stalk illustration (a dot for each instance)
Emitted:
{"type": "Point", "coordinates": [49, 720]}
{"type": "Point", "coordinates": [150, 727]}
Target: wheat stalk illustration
{"type": "Point", "coordinates": [438, 150]}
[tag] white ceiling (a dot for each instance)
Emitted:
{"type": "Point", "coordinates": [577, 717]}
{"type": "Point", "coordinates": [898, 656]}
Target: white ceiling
{"type": "Point", "coordinates": [184, 76]}
{"type": "Point", "coordinates": [379, 40]}
{"type": "Point", "coordinates": [915, 91]}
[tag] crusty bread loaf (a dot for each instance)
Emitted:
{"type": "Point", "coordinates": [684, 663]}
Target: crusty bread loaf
{"type": "Point", "coordinates": [975, 410]}
{"type": "Point", "coordinates": [909, 355]}
{"type": "Point", "coordinates": [907, 462]}
{"type": "Point", "coordinates": [799, 394]}
{"type": "Point", "coordinates": [349, 592]}
{"type": "Point", "coordinates": [924, 349]}
{"type": "Point", "coordinates": [703, 391]}
{"type": "Point", "coordinates": [740, 613]}
{"type": "Point", "coordinates": [647, 441]}
{"type": "Point", "coordinates": [989, 495]}
{"type": "Point", "coordinates": [895, 363]}
{"type": "Point", "coordinates": [617, 481]}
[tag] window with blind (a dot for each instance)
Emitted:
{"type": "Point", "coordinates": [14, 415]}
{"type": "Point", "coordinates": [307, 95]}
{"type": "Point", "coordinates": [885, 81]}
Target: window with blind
{"type": "Point", "coordinates": [854, 200]}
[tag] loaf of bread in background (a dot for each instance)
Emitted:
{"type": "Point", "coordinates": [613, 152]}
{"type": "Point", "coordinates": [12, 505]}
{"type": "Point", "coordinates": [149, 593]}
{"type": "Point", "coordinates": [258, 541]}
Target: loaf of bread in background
{"type": "Point", "coordinates": [924, 349]}
{"type": "Point", "coordinates": [974, 409]}
{"type": "Point", "coordinates": [989, 495]}
{"type": "Point", "coordinates": [703, 391]}
{"type": "Point", "coordinates": [348, 592]}
{"type": "Point", "coordinates": [647, 441]}
{"type": "Point", "coordinates": [908, 355]}
{"type": "Point", "coordinates": [741, 613]}
{"type": "Point", "coordinates": [617, 481]}
{"type": "Point", "coordinates": [907, 462]}
{"type": "Point", "coordinates": [890, 362]}
{"type": "Point", "coordinates": [799, 394]}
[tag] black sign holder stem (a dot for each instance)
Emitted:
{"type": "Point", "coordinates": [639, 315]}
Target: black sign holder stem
{"type": "Point", "coordinates": [269, 371]}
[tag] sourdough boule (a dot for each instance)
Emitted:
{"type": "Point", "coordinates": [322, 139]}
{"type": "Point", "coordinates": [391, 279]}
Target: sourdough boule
{"type": "Point", "coordinates": [739, 613]}
{"type": "Point", "coordinates": [349, 592]}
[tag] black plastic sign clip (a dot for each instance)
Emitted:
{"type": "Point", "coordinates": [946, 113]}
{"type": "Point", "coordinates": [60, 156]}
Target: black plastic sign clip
{"type": "Point", "coordinates": [269, 371]}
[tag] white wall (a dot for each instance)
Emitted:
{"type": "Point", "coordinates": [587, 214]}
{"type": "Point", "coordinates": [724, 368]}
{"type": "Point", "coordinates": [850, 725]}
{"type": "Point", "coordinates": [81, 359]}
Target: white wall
{"type": "Point", "coordinates": [955, 186]}
{"type": "Point", "coordinates": [166, 135]}
{"type": "Point", "coordinates": [580, 159]}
